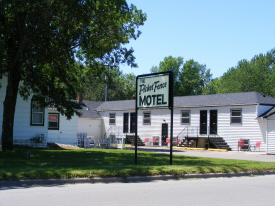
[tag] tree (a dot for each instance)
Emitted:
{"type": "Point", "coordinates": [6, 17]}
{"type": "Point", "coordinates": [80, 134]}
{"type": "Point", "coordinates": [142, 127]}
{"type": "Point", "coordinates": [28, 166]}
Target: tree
{"type": "Point", "coordinates": [127, 84]}
{"type": "Point", "coordinates": [213, 87]}
{"type": "Point", "coordinates": [194, 77]}
{"type": "Point", "coordinates": [120, 86]}
{"type": "Point", "coordinates": [40, 40]}
{"type": "Point", "coordinates": [258, 74]}
{"type": "Point", "coordinates": [189, 78]}
{"type": "Point", "coordinates": [170, 64]}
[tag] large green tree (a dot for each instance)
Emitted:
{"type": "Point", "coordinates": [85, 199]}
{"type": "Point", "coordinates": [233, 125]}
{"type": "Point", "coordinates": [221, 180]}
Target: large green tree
{"type": "Point", "coordinates": [93, 84]}
{"type": "Point", "coordinates": [171, 64]}
{"type": "Point", "coordinates": [213, 87]}
{"type": "Point", "coordinates": [258, 74]}
{"type": "Point", "coordinates": [194, 77]}
{"type": "Point", "coordinates": [40, 39]}
{"type": "Point", "coordinates": [190, 77]}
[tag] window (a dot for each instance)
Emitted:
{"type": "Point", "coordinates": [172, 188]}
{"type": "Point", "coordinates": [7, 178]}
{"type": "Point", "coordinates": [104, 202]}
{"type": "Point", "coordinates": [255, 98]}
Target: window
{"type": "Point", "coordinates": [112, 119]}
{"type": "Point", "coordinates": [236, 116]}
{"type": "Point", "coordinates": [185, 117]}
{"type": "Point", "coordinates": [147, 118]}
{"type": "Point", "coordinates": [37, 114]}
{"type": "Point", "coordinates": [53, 121]}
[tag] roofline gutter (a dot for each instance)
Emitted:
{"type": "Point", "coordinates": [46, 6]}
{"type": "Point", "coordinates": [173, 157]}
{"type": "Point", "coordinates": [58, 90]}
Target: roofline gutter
{"type": "Point", "coordinates": [200, 106]}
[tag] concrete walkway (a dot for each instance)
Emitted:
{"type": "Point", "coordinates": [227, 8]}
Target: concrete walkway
{"type": "Point", "coordinates": [253, 156]}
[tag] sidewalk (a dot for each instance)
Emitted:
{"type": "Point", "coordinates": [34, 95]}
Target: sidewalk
{"type": "Point", "coordinates": [252, 156]}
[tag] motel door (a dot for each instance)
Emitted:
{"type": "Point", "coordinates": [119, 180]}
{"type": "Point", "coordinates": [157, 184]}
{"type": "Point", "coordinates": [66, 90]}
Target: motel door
{"type": "Point", "coordinates": [125, 122]}
{"type": "Point", "coordinates": [132, 122]}
{"type": "Point", "coordinates": [164, 133]}
{"type": "Point", "coordinates": [213, 122]}
{"type": "Point", "coordinates": [203, 122]}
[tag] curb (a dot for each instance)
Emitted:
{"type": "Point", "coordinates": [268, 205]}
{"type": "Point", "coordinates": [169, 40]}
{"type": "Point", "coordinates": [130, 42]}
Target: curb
{"type": "Point", "coordinates": [182, 148]}
{"type": "Point", "coordinates": [218, 150]}
{"type": "Point", "coordinates": [134, 179]}
{"type": "Point", "coordinates": [189, 148]}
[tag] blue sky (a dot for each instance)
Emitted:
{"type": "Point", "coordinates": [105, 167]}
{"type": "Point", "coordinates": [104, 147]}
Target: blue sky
{"type": "Point", "coordinates": [218, 33]}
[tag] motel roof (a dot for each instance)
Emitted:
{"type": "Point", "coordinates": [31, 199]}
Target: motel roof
{"type": "Point", "coordinates": [89, 109]}
{"type": "Point", "coordinates": [217, 100]}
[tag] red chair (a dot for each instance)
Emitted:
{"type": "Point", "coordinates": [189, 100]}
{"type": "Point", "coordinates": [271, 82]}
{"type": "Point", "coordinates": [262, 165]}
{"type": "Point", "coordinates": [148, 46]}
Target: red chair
{"type": "Point", "coordinates": [240, 144]}
{"type": "Point", "coordinates": [167, 141]}
{"type": "Point", "coordinates": [178, 142]}
{"type": "Point", "coordinates": [257, 145]}
{"type": "Point", "coordinates": [146, 142]}
{"type": "Point", "coordinates": [155, 141]}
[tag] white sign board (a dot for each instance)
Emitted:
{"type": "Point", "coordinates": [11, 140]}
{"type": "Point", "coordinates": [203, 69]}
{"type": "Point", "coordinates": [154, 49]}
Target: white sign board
{"type": "Point", "coordinates": [153, 92]}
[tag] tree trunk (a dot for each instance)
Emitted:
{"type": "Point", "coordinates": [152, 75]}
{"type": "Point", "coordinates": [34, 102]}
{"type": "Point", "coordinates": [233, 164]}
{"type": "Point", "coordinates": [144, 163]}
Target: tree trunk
{"type": "Point", "coordinates": [9, 111]}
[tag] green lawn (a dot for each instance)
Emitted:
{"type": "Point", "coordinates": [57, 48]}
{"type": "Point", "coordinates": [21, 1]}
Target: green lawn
{"type": "Point", "coordinates": [111, 163]}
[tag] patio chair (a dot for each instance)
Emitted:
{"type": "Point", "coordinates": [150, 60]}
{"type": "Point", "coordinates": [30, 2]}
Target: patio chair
{"type": "Point", "coordinates": [257, 146]}
{"type": "Point", "coordinates": [155, 141]}
{"type": "Point", "coordinates": [146, 141]}
{"type": "Point", "coordinates": [240, 144]}
{"type": "Point", "coordinates": [96, 144]}
{"type": "Point", "coordinates": [177, 144]}
{"type": "Point", "coordinates": [167, 142]}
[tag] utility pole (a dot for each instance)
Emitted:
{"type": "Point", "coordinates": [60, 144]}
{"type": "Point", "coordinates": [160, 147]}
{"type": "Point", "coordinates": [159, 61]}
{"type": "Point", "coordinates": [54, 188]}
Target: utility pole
{"type": "Point", "coordinates": [107, 81]}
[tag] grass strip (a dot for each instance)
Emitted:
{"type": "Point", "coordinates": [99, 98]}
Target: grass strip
{"type": "Point", "coordinates": [45, 164]}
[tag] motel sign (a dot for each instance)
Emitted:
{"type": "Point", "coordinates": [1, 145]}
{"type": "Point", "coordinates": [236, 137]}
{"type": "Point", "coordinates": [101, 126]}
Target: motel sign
{"type": "Point", "coordinates": [153, 92]}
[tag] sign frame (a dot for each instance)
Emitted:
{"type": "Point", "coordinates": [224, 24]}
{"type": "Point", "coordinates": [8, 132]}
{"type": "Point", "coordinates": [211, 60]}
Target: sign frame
{"type": "Point", "coordinates": [153, 92]}
{"type": "Point", "coordinates": [158, 98]}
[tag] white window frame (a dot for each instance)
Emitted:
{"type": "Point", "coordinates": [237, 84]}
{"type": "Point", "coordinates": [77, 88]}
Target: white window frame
{"type": "Point", "coordinates": [57, 120]}
{"type": "Point", "coordinates": [34, 108]}
{"type": "Point", "coordinates": [146, 118]}
{"type": "Point", "coordinates": [189, 117]}
{"type": "Point", "coordinates": [112, 118]}
{"type": "Point", "coordinates": [235, 116]}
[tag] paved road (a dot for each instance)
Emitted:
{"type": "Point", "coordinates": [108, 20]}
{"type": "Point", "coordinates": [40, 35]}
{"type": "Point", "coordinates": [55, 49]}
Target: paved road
{"type": "Point", "coordinates": [254, 156]}
{"type": "Point", "coordinates": [216, 191]}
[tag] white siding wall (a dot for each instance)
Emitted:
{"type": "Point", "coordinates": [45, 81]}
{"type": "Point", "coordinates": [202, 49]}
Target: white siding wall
{"type": "Point", "coordinates": [119, 120]}
{"type": "Point", "coordinates": [271, 137]}
{"type": "Point", "coordinates": [90, 126]}
{"type": "Point", "coordinates": [270, 131]}
{"type": "Point", "coordinates": [67, 133]}
{"type": "Point", "coordinates": [157, 119]}
{"type": "Point", "coordinates": [23, 131]}
{"type": "Point", "coordinates": [250, 128]}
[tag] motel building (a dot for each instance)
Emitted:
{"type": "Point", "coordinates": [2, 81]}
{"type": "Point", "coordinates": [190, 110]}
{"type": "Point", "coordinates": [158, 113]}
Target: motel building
{"type": "Point", "coordinates": [203, 121]}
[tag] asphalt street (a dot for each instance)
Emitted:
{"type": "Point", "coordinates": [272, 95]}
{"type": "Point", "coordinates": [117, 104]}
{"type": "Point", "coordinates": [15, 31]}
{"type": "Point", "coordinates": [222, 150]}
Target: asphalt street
{"type": "Point", "coordinates": [239, 191]}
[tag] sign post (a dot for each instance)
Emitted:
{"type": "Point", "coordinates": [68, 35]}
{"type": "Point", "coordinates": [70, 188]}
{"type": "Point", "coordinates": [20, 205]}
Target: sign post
{"type": "Point", "coordinates": [154, 91]}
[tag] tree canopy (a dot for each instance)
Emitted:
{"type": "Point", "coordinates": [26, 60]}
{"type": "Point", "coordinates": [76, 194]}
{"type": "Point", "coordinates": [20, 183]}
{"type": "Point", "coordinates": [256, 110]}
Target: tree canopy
{"type": "Point", "coordinates": [41, 39]}
{"type": "Point", "coordinates": [93, 84]}
{"type": "Point", "coordinates": [190, 77]}
{"type": "Point", "coordinates": [258, 75]}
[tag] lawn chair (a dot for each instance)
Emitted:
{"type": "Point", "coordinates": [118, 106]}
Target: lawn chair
{"type": "Point", "coordinates": [177, 144]}
{"type": "Point", "coordinates": [155, 141]}
{"type": "Point", "coordinates": [168, 142]}
{"type": "Point", "coordinates": [257, 146]}
{"type": "Point", "coordinates": [240, 144]}
{"type": "Point", "coordinates": [146, 141]}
